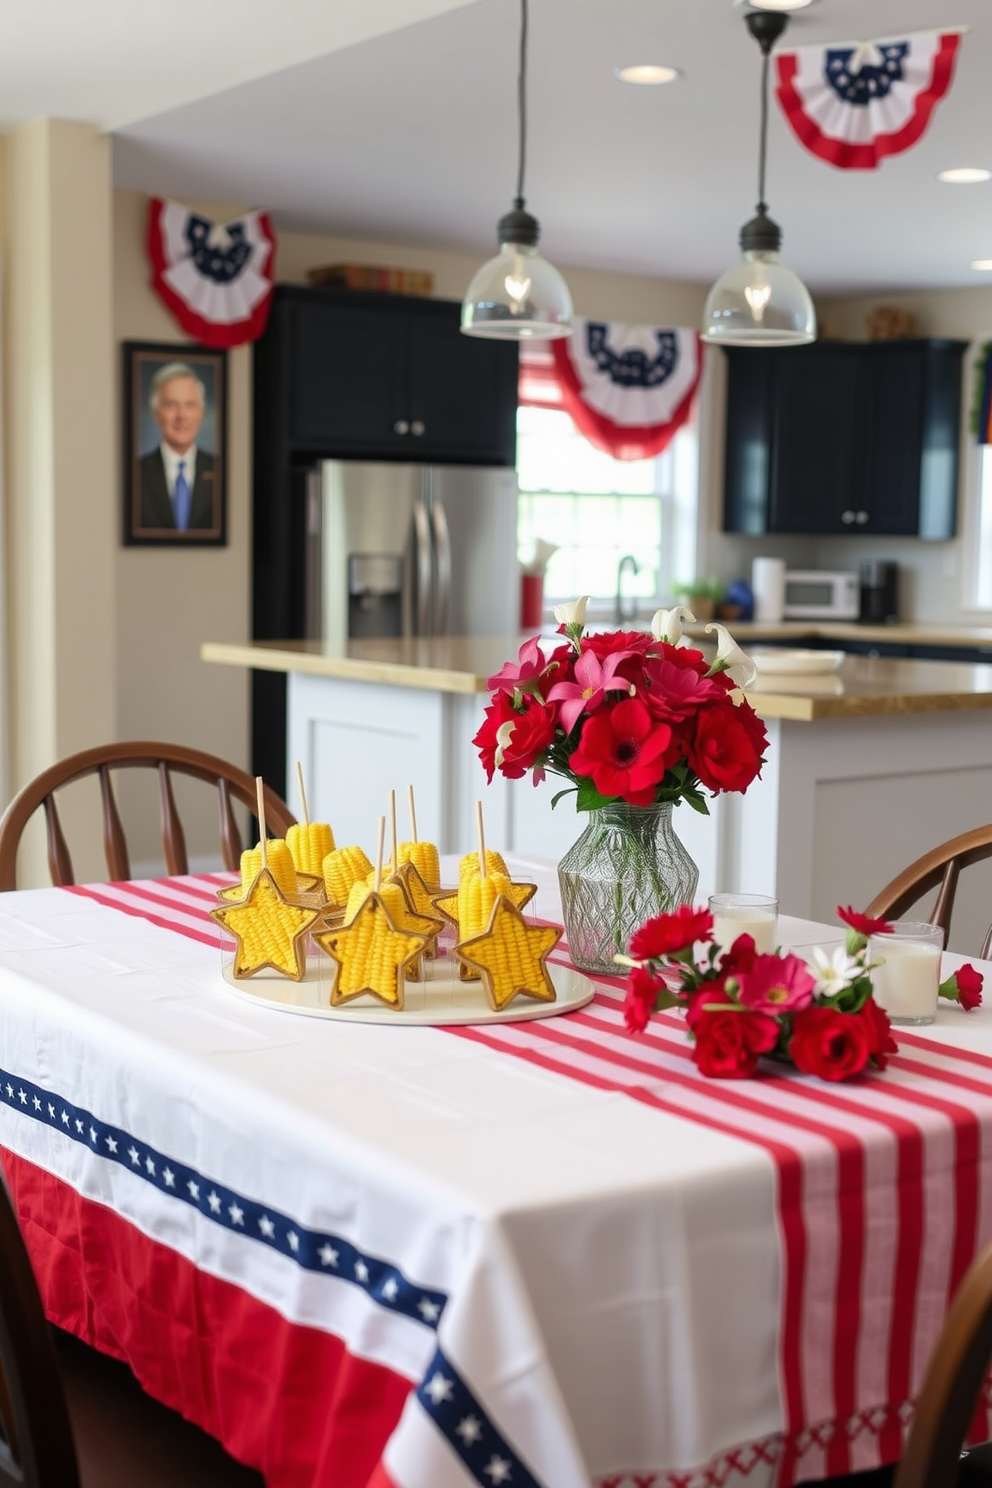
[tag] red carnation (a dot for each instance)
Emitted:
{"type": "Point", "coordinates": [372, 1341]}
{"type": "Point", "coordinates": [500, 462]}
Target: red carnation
{"type": "Point", "coordinates": [862, 923]}
{"type": "Point", "coordinates": [675, 692]}
{"type": "Point", "coordinates": [729, 1044]}
{"type": "Point", "coordinates": [964, 986]}
{"type": "Point", "coordinates": [622, 751]}
{"type": "Point", "coordinates": [642, 991]}
{"type": "Point", "coordinates": [669, 933]}
{"type": "Point", "coordinates": [725, 753]}
{"type": "Point", "coordinates": [830, 1044]}
{"type": "Point", "coordinates": [606, 642]}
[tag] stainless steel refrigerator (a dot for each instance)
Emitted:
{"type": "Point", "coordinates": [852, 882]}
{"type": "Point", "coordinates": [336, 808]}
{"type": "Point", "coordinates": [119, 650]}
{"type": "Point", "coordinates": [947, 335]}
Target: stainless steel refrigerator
{"type": "Point", "coordinates": [410, 550]}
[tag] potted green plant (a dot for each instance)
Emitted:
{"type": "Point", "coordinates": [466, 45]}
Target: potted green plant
{"type": "Point", "coordinates": [701, 596]}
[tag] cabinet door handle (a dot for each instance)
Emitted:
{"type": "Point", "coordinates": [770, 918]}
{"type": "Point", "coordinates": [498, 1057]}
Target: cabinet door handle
{"type": "Point", "coordinates": [401, 427]}
{"type": "Point", "coordinates": [416, 428]}
{"type": "Point", "coordinates": [847, 518]}
{"type": "Point", "coordinates": [861, 518]}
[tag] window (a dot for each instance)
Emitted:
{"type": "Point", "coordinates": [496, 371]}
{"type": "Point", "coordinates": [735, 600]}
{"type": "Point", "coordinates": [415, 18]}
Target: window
{"type": "Point", "coordinates": [598, 510]}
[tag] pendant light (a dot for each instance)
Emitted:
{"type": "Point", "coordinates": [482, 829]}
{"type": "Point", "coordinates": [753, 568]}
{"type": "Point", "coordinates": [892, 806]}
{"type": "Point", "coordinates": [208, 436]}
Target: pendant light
{"type": "Point", "coordinates": [518, 295]}
{"type": "Point", "coordinates": [759, 302]}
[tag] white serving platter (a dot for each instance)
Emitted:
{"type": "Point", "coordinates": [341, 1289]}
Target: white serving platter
{"type": "Point", "coordinates": [796, 663]}
{"type": "Point", "coordinates": [439, 1001]}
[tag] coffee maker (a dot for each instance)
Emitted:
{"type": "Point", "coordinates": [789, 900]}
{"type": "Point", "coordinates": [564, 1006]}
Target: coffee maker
{"type": "Point", "coordinates": [879, 592]}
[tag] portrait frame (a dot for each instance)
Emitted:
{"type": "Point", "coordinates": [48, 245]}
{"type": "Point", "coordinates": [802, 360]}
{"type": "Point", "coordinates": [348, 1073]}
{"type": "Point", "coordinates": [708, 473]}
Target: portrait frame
{"type": "Point", "coordinates": [149, 519]}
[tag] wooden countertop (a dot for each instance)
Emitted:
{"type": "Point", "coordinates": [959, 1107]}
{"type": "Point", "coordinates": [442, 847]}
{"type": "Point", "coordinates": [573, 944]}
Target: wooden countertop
{"type": "Point", "coordinates": [801, 631]}
{"type": "Point", "coordinates": [864, 686]}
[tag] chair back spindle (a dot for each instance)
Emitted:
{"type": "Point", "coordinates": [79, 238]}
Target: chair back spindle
{"type": "Point", "coordinates": [231, 783]}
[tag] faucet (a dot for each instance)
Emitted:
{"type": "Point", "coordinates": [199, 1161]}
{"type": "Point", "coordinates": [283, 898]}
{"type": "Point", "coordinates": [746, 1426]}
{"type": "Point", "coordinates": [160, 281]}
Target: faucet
{"type": "Point", "coordinates": [629, 561]}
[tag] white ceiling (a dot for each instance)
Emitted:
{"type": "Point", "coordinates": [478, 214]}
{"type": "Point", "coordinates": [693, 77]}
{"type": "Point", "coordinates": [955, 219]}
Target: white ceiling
{"type": "Point", "coordinates": [394, 120]}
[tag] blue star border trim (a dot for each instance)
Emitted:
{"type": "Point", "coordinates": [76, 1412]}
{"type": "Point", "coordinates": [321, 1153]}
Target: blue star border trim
{"type": "Point", "coordinates": [444, 1395]}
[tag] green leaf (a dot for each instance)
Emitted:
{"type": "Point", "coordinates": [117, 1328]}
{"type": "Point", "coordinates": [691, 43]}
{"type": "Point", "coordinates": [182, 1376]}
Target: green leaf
{"type": "Point", "coordinates": [560, 795]}
{"type": "Point", "coordinates": [697, 802]}
{"type": "Point", "coordinates": [588, 797]}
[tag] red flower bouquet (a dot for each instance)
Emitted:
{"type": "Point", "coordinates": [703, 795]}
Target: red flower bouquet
{"type": "Point", "coordinates": [625, 716]}
{"type": "Point", "coordinates": [635, 723]}
{"type": "Point", "coordinates": [820, 1017]}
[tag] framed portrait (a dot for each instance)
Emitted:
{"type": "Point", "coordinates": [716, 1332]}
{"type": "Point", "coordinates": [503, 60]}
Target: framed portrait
{"type": "Point", "coordinates": [175, 445]}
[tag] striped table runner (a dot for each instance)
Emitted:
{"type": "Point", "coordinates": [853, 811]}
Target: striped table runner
{"type": "Point", "coordinates": [884, 1195]}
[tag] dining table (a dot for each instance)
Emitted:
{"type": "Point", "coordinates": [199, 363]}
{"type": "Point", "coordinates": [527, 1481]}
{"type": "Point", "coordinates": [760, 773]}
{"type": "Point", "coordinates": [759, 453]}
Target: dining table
{"type": "Point", "coordinates": [537, 1254]}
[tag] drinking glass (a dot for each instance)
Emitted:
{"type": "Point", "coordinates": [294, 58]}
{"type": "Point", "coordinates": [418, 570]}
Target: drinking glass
{"type": "Point", "coordinates": [745, 914]}
{"type": "Point", "coordinates": [905, 981]}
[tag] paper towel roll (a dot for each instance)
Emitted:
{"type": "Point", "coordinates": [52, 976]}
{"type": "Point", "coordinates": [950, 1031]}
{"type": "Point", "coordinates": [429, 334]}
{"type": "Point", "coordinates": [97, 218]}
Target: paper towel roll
{"type": "Point", "coordinates": [768, 583]}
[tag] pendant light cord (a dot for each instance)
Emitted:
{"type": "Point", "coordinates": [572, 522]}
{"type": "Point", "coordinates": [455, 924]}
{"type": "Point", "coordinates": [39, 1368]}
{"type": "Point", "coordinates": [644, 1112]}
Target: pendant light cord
{"type": "Point", "coordinates": [763, 146]}
{"type": "Point", "coordinates": [522, 106]}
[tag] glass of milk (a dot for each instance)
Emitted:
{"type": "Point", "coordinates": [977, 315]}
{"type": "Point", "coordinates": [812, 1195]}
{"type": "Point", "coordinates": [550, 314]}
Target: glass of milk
{"type": "Point", "coordinates": [905, 981]}
{"type": "Point", "coordinates": [745, 914]}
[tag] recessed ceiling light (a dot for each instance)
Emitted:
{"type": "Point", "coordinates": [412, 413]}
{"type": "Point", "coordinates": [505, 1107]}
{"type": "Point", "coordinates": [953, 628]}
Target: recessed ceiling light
{"type": "Point", "coordinates": [984, 264]}
{"type": "Point", "coordinates": [964, 175]}
{"type": "Point", "coordinates": [647, 73]}
{"type": "Point", "coordinates": [774, 4]}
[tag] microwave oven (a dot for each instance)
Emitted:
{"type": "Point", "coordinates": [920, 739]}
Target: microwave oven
{"type": "Point", "coordinates": [816, 594]}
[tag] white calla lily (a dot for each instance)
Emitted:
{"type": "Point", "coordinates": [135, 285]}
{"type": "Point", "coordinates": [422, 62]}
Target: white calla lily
{"type": "Point", "coordinates": [666, 625]}
{"type": "Point", "coordinates": [730, 658]}
{"type": "Point", "coordinates": [573, 613]}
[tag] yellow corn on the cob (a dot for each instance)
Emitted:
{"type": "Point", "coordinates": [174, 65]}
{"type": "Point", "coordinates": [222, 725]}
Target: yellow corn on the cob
{"type": "Point", "coordinates": [342, 868]}
{"type": "Point", "coordinates": [309, 846]}
{"type": "Point", "coordinates": [476, 899]}
{"type": "Point", "coordinates": [270, 931]}
{"type": "Point", "coordinates": [280, 865]}
{"type": "Point", "coordinates": [470, 863]}
{"type": "Point", "coordinates": [423, 856]}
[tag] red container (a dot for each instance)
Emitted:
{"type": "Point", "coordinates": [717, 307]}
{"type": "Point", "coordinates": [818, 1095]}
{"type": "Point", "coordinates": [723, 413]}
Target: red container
{"type": "Point", "coordinates": [531, 601]}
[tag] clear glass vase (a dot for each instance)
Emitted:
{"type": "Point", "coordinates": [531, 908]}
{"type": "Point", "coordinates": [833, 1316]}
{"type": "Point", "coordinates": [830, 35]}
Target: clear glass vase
{"type": "Point", "coordinates": [626, 866]}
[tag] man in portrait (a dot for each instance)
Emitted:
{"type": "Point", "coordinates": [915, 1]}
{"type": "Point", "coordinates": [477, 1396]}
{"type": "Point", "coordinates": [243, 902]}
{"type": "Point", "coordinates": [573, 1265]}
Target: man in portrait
{"type": "Point", "coordinates": [178, 479]}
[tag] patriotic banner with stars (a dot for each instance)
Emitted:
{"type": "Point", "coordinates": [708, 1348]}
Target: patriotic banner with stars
{"type": "Point", "coordinates": [628, 388]}
{"type": "Point", "coordinates": [216, 278]}
{"type": "Point", "coordinates": [853, 103]}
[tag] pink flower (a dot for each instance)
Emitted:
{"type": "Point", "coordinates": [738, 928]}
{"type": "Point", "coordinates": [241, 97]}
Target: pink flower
{"type": "Point", "coordinates": [527, 669]}
{"type": "Point", "coordinates": [593, 679]}
{"type": "Point", "coordinates": [622, 751]}
{"type": "Point", "coordinates": [776, 984]}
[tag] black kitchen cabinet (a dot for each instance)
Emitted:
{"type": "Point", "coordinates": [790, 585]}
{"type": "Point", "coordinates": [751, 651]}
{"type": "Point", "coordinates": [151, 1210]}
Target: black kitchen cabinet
{"type": "Point", "coordinates": [844, 437]}
{"type": "Point", "coordinates": [391, 377]}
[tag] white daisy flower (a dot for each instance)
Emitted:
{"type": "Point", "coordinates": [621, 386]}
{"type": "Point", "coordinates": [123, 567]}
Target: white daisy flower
{"type": "Point", "coordinates": [834, 970]}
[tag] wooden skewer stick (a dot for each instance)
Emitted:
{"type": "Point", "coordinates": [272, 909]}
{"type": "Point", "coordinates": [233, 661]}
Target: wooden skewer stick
{"type": "Point", "coordinates": [413, 814]}
{"type": "Point", "coordinates": [303, 794]}
{"type": "Point", "coordinates": [260, 799]}
{"type": "Point", "coordinates": [482, 839]}
{"type": "Point", "coordinates": [378, 853]}
{"type": "Point", "coordinates": [392, 817]}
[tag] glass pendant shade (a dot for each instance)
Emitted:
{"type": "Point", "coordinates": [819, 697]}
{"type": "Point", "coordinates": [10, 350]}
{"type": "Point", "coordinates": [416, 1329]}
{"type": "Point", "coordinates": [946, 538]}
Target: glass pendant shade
{"type": "Point", "coordinates": [759, 302]}
{"type": "Point", "coordinates": [517, 295]}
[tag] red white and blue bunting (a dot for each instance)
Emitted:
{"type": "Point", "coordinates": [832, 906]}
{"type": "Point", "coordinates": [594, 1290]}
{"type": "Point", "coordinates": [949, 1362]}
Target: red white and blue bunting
{"type": "Point", "coordinates": [853, 103]}
{"type": "Point", "coordinates": [629, 389]}
{"type": "Point", "coordinates": [216, 278]}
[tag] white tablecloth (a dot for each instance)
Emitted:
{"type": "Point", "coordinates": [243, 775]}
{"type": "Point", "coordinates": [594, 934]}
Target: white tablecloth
{"type": "Point", "coordinates": [576, 1266]}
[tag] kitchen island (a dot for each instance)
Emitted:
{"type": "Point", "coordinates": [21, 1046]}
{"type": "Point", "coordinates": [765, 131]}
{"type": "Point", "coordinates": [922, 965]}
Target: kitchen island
{"type": "Point", "coordinates": [867, 766]}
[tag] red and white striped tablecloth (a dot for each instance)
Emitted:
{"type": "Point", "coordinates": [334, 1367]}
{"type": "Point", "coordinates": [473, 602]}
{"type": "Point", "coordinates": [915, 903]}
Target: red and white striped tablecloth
{"type": "Point", "coordinates": [536, 1253]}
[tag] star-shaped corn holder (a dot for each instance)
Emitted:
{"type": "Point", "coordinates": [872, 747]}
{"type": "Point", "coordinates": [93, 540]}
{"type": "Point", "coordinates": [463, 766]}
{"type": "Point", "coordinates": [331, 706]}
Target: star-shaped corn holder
{"type": "Point", "coordinates": [511, 956]}
{"type": "Point", "coordinates": [269, 930]}
{"type": "Point", "coordinates": [447, 901]}
{"type": "Point", "coordinates": [372, 954]}
{"type": "Point", "coordinates": [421, 901]}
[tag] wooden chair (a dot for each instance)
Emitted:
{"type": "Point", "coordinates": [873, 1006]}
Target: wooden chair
{"type": "Point", "coordinates": [231, 783]}
{"type": "Point", "coordinates": [950, 1391]}
{"type": "Point", "coordinates": [71, 1418]}
{"type": "Point", "coordinates": [941, 866]}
